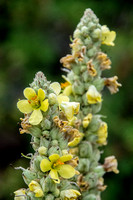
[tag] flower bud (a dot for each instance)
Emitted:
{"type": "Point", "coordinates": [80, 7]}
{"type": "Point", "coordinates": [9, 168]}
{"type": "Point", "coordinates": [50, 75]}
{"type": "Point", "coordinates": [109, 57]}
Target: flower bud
{"type": "Point", "coordinates": [20, 194]}
{"type": "Point", "coordinates": [36, 188]}
{"type": "Point", "coordinates": [84, 165]}
{"type": "Point", "coordinates": [96, 33]}
{"type": "Point", "coordinates": [49, 197]}
{"type": "Point", "coordinates": [28, 176]}
{"type": "Point", "coordinates": [85, 150]}
{"type": "Point", "coordinates": [90, 197]}
{"type": "Point", "coordinates": [52, 99]}
{"type": "Point", "coordinates": [46, 124]}
{"type": "Point", "coordinates": [93, 96]}
{"type": "Point", "coordinates": [69, 194]}
{"type": "Point", "coordinates": [77, 33]}
{"type": "Point", "coordinates": [42, 151]}
{"type": "Point", "coordinates": [35, 131]}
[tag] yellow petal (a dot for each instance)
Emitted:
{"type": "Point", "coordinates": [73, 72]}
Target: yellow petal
{"type": "Point", "coordinates": [56, 87]}
{"type": "Point", "coordinates": [44, 105]}
{"type": "Point", "coordinates": [74, 142]}
{"type": "Point", "coordinates": [45, 165]}
{"type": "Point", "coordinates": [41, 94]}
{"type": "Point", "coordinates": [36, 117]}
{"type": "Point", "coordinates": [66, 171]}
{"type": "Point", "coordinates": [38, 192]}
{"type": "Point", "coordinates": [70, 108]}
{"type": "Point", "coordinates": [68, 90]}
{"type": "Point", "coordinates": [62, 98]}
{"type": "Point", "coordinates": [29, 93]}
{"type": "Point", "coordinates": [54, 157]}
{"type": "Point", "coordinates": [93, 96]}
{"type": "Point", "coordinates": [110, 38]}
{"type": "Point", "coordinates": [54, 175]}
{"type": "Point", "coordinates": [66, 158]}
{"type": "Point", "coordinates": [24, 106]}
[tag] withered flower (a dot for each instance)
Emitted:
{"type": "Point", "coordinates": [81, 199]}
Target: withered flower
{"type": "Point", "coordinates": [112, 84]}
{"type": "Point", "coordinates": [67, 61]}
{"type": "Point", "coordinates": [101, 187]}
{"type": "Point", "coordinates": [90, 67]}
{"type": "Point", "coordinates": [104, 61]}
{"type": "Point", "coordinates": [84, 185]}
{"type": "Point", "coordinates": [25, 124]}
{"type": "Point", "coordinates": [110, 164]}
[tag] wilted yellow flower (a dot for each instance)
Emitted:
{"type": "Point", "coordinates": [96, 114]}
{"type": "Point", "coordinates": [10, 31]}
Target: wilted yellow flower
{"type": "Point", "coordinates": [57, 89]}
{"type": "Point", "coordinates": [110, 164]}
{"type": "Point", "coordinates": [93, 96]}
{"type": "Point", "coordinates": [36, 188]}
{"type": "Point", "coordinates": [20, 194]}
{"type": "Point", "coordinates": [112, 84]}
{"type": "Point", "coordinates": [102, 133]}
{"type": "Point", "coordinates": [67, 61]}
{"type": "Point", "coordinates": [35, 103]}
{"type": "Point", "coordinates": [108, 36]}
{"type": "Point", "coordinates": [69, 109]}
{"type": "Point", "coordinates": [91, 69]}
{"type": "Point", "coordinates": [56, 165]}
{"type": "Point", "coordinates": [87, 120]}
{"type": "Point", "coordinates": [105, 62]}
{"type": "Point", "coordinates": [70, 194]}
{"type": "Point", "coordinates": [76, 140]}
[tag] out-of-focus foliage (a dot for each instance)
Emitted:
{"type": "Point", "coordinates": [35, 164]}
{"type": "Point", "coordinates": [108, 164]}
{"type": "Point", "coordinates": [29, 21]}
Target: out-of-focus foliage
{"type": "Point", "coordinates": [34, 35]}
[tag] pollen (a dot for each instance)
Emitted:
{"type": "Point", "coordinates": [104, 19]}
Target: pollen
{"type": "Point", "coordinates": [58, 162]}
{"type": "Point", "coordinates": [64, 85]}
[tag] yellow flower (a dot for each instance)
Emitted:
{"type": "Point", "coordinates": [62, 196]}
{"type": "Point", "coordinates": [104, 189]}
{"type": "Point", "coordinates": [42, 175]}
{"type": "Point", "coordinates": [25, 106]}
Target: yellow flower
{"type": "Point", "coordinates": [56, 165]}
{"type": "Point", "coordinates": [57, 89]}
{"type": "Point", "coordinates": [69, 109]}
{"type": "Point", "coordinates": [102, 133]}
{"type": "Point", "coordinates": [77, 138]}
{"type": "Point", "coordinates": [36, 188]}
{"type": "Point", "coordinates": [70, 194]}
{"type": "Point", "coordinates": [87, 120]}
{"type": "Point", "coordinates": [93, 96]}
{"type": "Point", "coordinates": [34, 103]}
{"type": "Point", "coordinates": [108, 36]}
{"type": "Point", "coordinates": [20, 194]}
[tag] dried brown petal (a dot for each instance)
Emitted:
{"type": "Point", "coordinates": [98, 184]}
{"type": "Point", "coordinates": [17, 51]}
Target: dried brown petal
{"type": "Point", "coordinates": [112, 84]}
{"type": "Point", "coordinates": [101, 187]}
{"type": "Point", "coordinates": [110, 164]}
{"type": "Point", "coordinates": [90, 67]}
{"type": "Point", "coordinates": [82, 183]}
{"type": "Point", "coordinates": [67, 61]}
{"type": "Point", "coordinates": [104, 61]}
{"type": "Point", "coordinates": [25, 125]}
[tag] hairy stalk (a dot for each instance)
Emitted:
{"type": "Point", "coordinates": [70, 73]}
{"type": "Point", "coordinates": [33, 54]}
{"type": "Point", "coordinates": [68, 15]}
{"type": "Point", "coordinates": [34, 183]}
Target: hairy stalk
{"type": "Point", "coordinates": [67, 131]}
{"type": "Point", "coordinates": [84, 84]}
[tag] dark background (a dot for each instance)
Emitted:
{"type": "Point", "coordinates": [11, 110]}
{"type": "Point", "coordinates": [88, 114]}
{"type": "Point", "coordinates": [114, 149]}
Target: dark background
{"type": "Point", "coordinates": [34, 35]}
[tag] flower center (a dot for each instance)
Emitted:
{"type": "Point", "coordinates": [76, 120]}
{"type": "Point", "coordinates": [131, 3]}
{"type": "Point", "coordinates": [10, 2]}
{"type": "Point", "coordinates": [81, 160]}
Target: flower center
{"type": "Point", "coordinates": [35, 102]}
{"type": "Point", "coordinates": [57, 163]}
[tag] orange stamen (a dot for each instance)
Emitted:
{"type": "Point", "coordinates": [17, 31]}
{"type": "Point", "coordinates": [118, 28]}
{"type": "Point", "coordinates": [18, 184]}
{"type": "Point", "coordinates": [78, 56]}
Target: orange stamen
{"type": "Point", "coordinates": [58, 162]}
{"type": "Point", "coordinates": [63, 85]}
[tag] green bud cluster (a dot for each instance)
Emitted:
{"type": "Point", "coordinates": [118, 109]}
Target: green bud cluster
{"type": "Point", "coordinates": [85, 65]}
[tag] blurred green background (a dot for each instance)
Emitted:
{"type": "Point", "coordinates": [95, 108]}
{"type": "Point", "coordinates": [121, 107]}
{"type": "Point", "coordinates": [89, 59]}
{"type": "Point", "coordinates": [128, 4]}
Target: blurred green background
{"type": "Point", "coordinates": [34, 35]}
